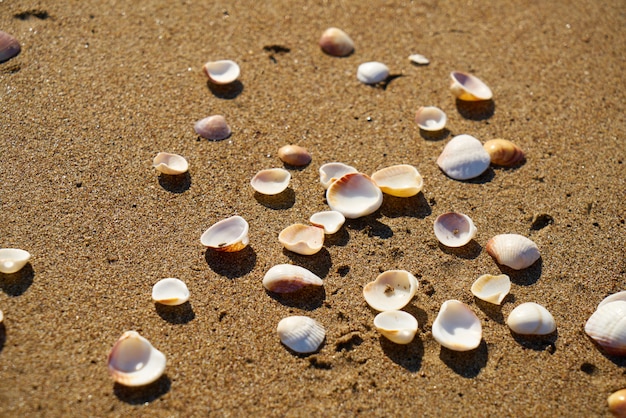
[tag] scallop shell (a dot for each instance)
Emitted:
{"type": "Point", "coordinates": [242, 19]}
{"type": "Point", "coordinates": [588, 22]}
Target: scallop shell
{"type": "Point", "coordinates": [213, 128]}
{"type": "Point", "coordinates": [391, 290]}
{"type": "Point", "coordinates": [133, 361]}
{"type": "Point", "coordinates": [457, 327]}
{"type": "Point", "coordinates": [397, 326]}
{"type": "Point", "coordinates": [401, 180]}
{"type": "Point", "coordinates": [617, 403]}
{"type": "Point", "coordinates": [271, 181]}
{"type": "Point", "coordinates": [513, 250]}
{"type": "Point", "coordinates": [372, 72]}
{"type": "Point", "coordinates": [172, 164]}
{"type": "Point", "coordinates": [463, 158]}
{"type": "Point", "coordinates": [492, 289]}
{"type": "Point", "coordinates": [301, 333]}
{"type": "Point", "coordinates": [294, 155]}
{"type": "Point", "coordinates": [354, 195]}
{"type": "Point", "coordinates": [330, 220]}
{"type": "Point", "coordinates": [302, 239]}
{"type": "Point", "coordinates": [9, 47]}
{"type": "Point", "coordinates": [531, 319]}
{"type": "Point", "coordinates": [431, 118]}
{"type": "Point", "coordinates": [468, 87]}
{"type": "Point", "coordinates": [221, 72]}
{"type": "Point", "coordinates": [454, 229]}
{"type": "Point", "coordinates": [330, 172]}
{"type": "Point", "coordinates": [613, 298]}
{"type": "Point", "coordinates": [419, 59]}
{"type": "Point", "coordinates": [13, 260]}
{"type": "Point", "coordinates": [336, 42]}
{"type": "Point", "coordinates": [607, 327]}
{"type": "Point", "coordinates": [170, 292]}
{"type": "Point", "coordinates": [504, 152]}
{"type": "Point", "coordinates": [228, 235]}
{"type": "Point", "coordinates": [287, 278]}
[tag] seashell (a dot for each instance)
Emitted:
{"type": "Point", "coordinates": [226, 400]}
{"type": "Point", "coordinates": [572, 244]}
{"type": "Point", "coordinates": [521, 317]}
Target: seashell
{"type": "Point", "coordinates": [391, 290]}
{"type": "Point", "coordinates": [468, 87]}
{"type": "Point", "coordinates": [9, 47]}
{"type": "Point", "coordinates": [454, 229]}
{"type": "Point", "coordinates": [372, 72]}
{"type": "Point", "coordinates": [430, 118]}
{"type": "Point", "coordinates": [492, 289]}
{"type": "Point", "coordinates": [294, 155]}
{"type": "Point", "coordinates": [213, 128]}
{"type": "Point", "coordinates": [531, 319]}
{"type": "Point", "coordinates": [463, 158]}
{"type": "Point", "coordinates": [172, 164]}
{"type": "Point", "coordinates": [302, 239]}
{"type": "Point", "coordinates": [228, 235]}
{"type": "Point", "coordinates": [1, 317]}
{"type": "Point", "coordinates": [613, 298]}
{"type": "Point", "coordinates": [504, 152]}
{"type": "Point", "coordinates": [329, 220]}
{"type": "Point", "coordinates": [13, 260]}
{"type": "Point", "coordinates": [607, 327]}
{"type": "Point", "coordinates": [397, 326]}
{"type": "Point", "coordinates": [457, 327]}
{"type": "Point", "coordinates": [401, 180]}
{"type": "Point", "coordinates": [170, 292]}
{"type": "Point", "coordinates": [419, 59]}
{"type": "Point", "coordinates": [301, 333]}
{"type": "Point", "coordinates": [336, 42]}
{"type": "Point", "coordinates": [513, 250]}
{"type": "Point", "coordinates": [354, 195]}
{"type": "Point", "coordinates": [617, 403]}
{"type": "Point", "coordinates": [330, 172]}
{"type": "Point", "coordinates": [221, 72]}
{"type": "Point", "coordinates": [133, 361]}
{"type": "Point", "coordinates": [271, 181]}
{"type": "Point", "coordinates": [287, 278]}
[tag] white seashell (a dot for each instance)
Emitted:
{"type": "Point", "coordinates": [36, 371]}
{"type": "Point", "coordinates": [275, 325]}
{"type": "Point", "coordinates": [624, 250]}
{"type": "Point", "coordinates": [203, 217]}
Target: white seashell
{"type": "Point", "coordinates": [457, 327]}
{"type": "Point", "coordinates": [354, 195]}
{"type": "Point", "coordinates": [372, 72]}
{"type": "Point", "coordinates": [287, 278]}
{"type": "Point", "coordinates": [330, 172]}
{"type": "Point", "coordinates": [294, 155]}
{"type": "Point", "coordinates": [336, 42]}
{"type": "Point", "coordinates": [170, 292]}
{"type": "Point", "coordinates": [492, 289]}
{"type": "Point", "coordinates": [513, 250]}
{"type": "Point", "coordinates": [613, 298]}
{"type": "Point", "coordinates": [463, 158]}
{"type": "Point", "coordinates": [330, 220]}
{"type": "Point", "coordinates": [133, 361]}
{"type": "Point", "coordinates": [531, 319]}
{"type": "Point", "coordinates": [228, 235]}
{"type": "Point", "coordinates": [222, 72]}
{"type": "Point", "coordinates": [271, 181]}
{"type": "Point", "coordinates": [301, 333]}
{"type": "Point", "coordinates": [172, 164]}
{"type": "Point", "coordinates": [454, 229]}
{"type": "Point", "coordinates": [607, 327]}
{"type": "Point", "coordinates": [13, 260]}
{"type": "Point", "coordinates": [397, 326]}
{"type": "Point", "coordinates": [431, 118]}
{"type": "Point", "coordinates": [468, 87]}
{"type": "Point", "coordinates": [401, 180]}
{"type": "Point", "coordinates": [617, 403]}
{"type": "Point", "coordinates": [213, 128]}
{"type": "Point", "coordinates": [9, 46]}
{"type": "Point", "coordinates": [302, 239]}
{"type": "Point", "coordinates": [419, 59]}
{"type": "Point", "coordinates": [391, 290]}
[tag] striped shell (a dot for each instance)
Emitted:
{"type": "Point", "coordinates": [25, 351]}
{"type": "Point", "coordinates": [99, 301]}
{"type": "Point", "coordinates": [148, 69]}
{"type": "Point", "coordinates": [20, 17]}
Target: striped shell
{"type": "Point", "coordinates": [513, 250]}
{"type": "Point", "coordinates": [504, 152]}
{"type": "Point", "coordinates": [301, 333]}
{"type": "Point", "coordinates": [287, 278]}
{"type": "Point", "coordinates": [607, 327]}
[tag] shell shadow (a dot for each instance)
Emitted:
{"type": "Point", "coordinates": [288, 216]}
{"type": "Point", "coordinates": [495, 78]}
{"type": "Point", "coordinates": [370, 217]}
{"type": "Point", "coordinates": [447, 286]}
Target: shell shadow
{"type": "Point", "coordinates": [469, 251]}
{"type": "Point", "coordinates": [537, 342]}
{"type": "Point", "coordinates": [296, 167]}
{"type": "Point", "coordinates": [414, 206]}
{"type": "Point", "coordinates": [143, 394]}
{"type": "Point", "coordinates": [179, 314]}
{"type": "Point", "coordinates": [179, 183]}
{"type": "Point", "coordinates": [3, 336]}
{"type": "Point", "coordinates": [280, 201]}
{"type": "Point", "coordinates": [493, 311]}
{"type": "Point", "coordinates": [617, 360]}
{"type": "Point", "coordinates": [467, 364]}
{"type": "Point", "coordinates": [15, 284]}
{"type": "Point", "coordinates": [524, 277]}
{"type": "Point", "coordinates": [231, 265]}
{"type": "Point", "coordinates": [485, 177]}
{"type": "Point", "coordinates": [408, 356]}
{"type": "Point", "coordinates": [308, 298]}
{"type": "Point", "coordinates": [226, 91]}
{"type": "Point", "coordinates": [388, 80]}
{"type": "Point", "coordinates": [435, 135]}
{"type": "Point", "coordinates": [478, 110]}
{"type": "Point", "coordinates": [338, 239]}
{"type": "Point", "coordinates": [371, 226]}
{"type": "Point", "coordinates": [319, 263]}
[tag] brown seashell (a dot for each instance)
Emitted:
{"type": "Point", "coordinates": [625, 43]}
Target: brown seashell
{"type": "Point", "coordinates": [336, 42]}
{"type": "Point", "coordinates": [504, 152]}
{"type": "Point", "coordinates": [617, 403]}
{"type": "Point", "coordinates": [294, 155]}
{"type": "Point", "coordinates": [9, 46]}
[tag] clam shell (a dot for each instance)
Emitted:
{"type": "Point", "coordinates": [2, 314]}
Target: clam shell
{"type": "Point", "coordinates": [330, 172]}
{"type": "Point", "coordinates": [419, 59]}
{"type": "Point", "coordinates": [492, 289]}
{"type": "Point", "coordinates": [454, 229]}
{"type": "Point", "coordinates": [213, 128]}
{"type": "Point", "coordinates": [301, 333]}
{"type": "Point", "coordinates": [228, 235]}
{"type": "Point", "coordinates": [468, 87]}
{"type": "Point", "coordinates": [271, 181]}
{"type": "Point", "coordinates": [504, 152]}
{"type": "Point", "coordinates": [372, 72]}
{"type": "Point", "coordinates": [336, 42]}
{"type": "Point", "coordinates": [170, 292]}
{"type": "Point", "coordinates": [133, 361]}
{"type": "Point", "coordinates": [354, 195]}
{"type": "Point", "coordinates": [397, 326]}
{"type": "Point", "coordinates": [607, 327]}
{"type": "Point", "coordinates": [617, 403]}
{"type": "Point", "coordinates": [172, 164]}
{"type": "Point", "coordinates": [431, 118]}
{"type": "Point", "coordinates": [221, 72]}
{"type": "Point", "coordinates": [463, 158]}
{"type": "Point", "coordinates": [294, 155]}
{"type": "Point", "coordinates": [457, 327]}
{"type": "Point", "coordinates": [391, 290]}
{"type": "Point", "coordinates": [513, 250]}
{"type": "Point", "coordinates": [13, 260]}
{"type": "Point", "coordinates": [531, 319]}
{"type": "Point", "coordinates": [287, 278]}
{"type": "Point", "coordinates": [302, 239]}
{"type": "Point", "coordinates": [613, 298]}
{"type": "Point", "coordinates": [330, 220]}
{"type": "Point", "coordinates": [9, 47]}
{"type": "Point", "coordinates": [401, 180]}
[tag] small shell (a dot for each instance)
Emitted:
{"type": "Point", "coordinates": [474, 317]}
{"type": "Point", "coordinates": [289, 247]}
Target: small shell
{"type": "Point", "coordinates": [287, 278]}
{"type": "Point", "coordinates": [617, 403]}
{"type": "Point", "coordinates": [391, 290]}
{"type": "Point", "coordinates": [463, 158]}
{"type": "Point", "coordinates": [330, 172]}
{"type": "Point", "coordinates": [613, 298]}
{"type": "Point", "coordinates": [468, 87]}
{"type": "Point", "coordinates": [13, 260]}
{"type": "Point", "coordinates": [9, 47]}
{"type": "Point", "coordinates": [301, 333]}
{"type": "Point", "coordinates": [271, 181]}
{"type": "Point", "coordinates": [401, 180]}
{"type": "Point", "coordinates": [354, 195]}
{"type": "Point", "coordinates": [492, 289]}
{"type": "Point", "coordinates": [397, 326]}
{"type": "Point", "coordinates": [419, 59]}
{"type": "Point", "coordinates": [531, 319]}
{"type": "Point", "coordinates": [172, 164]}
{"type": "Point", "coordinates": [431, 118]}
{"type": "Point", "coordinates": [294, 155]}
{"type": "Point", "coordinates": [133, 361]}
{"type": "Point", "coordinates": [227, 235]}
{"type": "Point", "coordinates": [513, 250]}
{"type": "Point", "coordinates": [336, 42]}
{"type": "Point", "coordinates": [454, 229]}
{"type": "Point", "coordinates": [170, 292]}
{"type": "Point", "coordinates": [504, 152]}
{"type": "Point", "coordinates": [302, 239]}
{"type": "Point", "coordinates": [1, 317]}
{"type": "Point", "coordinates": [213, 128]}
{"type": "Point", "coordinates": [221, 72]}
{"type": "Point", "coordinates": [607, 327]}
{"type": "Point", "coordinates": [330, 220]}
{"type": "Point", "coordinates": [372, 72]}
{"type": "Point", "coordinates": [457, 327]}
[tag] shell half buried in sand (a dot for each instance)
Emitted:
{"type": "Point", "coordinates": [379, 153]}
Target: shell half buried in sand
{"type": "Point", "coordinates": [302, 239]}
{"type": "Point", "coordinates": [457, 327]}
{"type": "Point", "coordinates": [133, 361]}
{"type": "Point", "coordinates": [271, 181]}
{"type": "Point", "coordinates": [13, 260]}
{"type": "Point", "coordinates": [228, 235]}
{"type": "Point", "coordinates": [397, 326]}
{"type": "Point", "coordinates": [492, 289]}
{"type": "Point", "coordinates": [401, 180]}
{"type": "Point", "coordinates": [301, 334]}
{"type": "Point", "coordinates": [454, 229]}
{"type": "Point", "coordinates": [354, 195]}
{"type": "Point", "coordinates": [172, 164]}
{"type": "Point", "coordinates": [287, 278]}
{"type": "Point", "coordinates": [392, 290]}
{"type": "Point", "coordinates": [170, 292]}
{"type": "Point", "coordinates": [222, 71]}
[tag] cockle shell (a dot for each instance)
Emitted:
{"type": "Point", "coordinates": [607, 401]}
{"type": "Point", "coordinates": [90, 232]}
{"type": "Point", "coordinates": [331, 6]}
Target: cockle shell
{"type": "Point", "coordinates": [302, 239]}
{"type": "Point", "coordinates": [13, 260]}
{"type": "Point", "coordinates": [513, 250]}
{"type": "Point", "coordinates": [391, 290]}
{"type": "Point", "coordinates": [287, 278]}
{"type": "Point", "coordinates": [221, 72]}
{"type": "Point", "coordinates": [613, 298]}
{"type": "Point", "coordinates": [504, 152]}
{"type": "Point", "coordinates": [294, 155]}
{"type": "Point", "coordinates": [468, 87]}
{"type": "Point", "coordinates": [617, 403]}
{"type": "Point", "coordinates": [531, 319]}
{"type": "Point", "coordinates": [463, 158]}
{"type": "Point", "coordinates": [213, 128]}
{"type": "Point", "coordinates": [492, 289]}
{"type": "Point", "coordinates": [9, 47]}
{"type": "Point", "coordinates": [607, 327]}
{"type": "Point", "coordinates": [419, 59]}
{"type": "Point", "coordinates": [457, 327]}
{"type": "Point", "coordinates": [330, 220]}
{"type": "Point", "coordinates": [170, 291]}
{"type": "Point", "coordinates": [354, 195]}
{"type": "Point", "coordinates": [397, 326]}
{"type": "Point", "coordinates": [372, 72]}
{"type": "Point", "coordinates": [228, 235]}
{"type": "Point", "coordinates": [431, 118]}
{"type": "Point", "coordinates": [336, 42]}
{"type": "Point", "coordinates": [401, 180]}
{"type": "Point", "coordinates": [172, 164]}
{"type": "Point", "coordinates": [133, 361]}
{"type": "Point", "coordinates": [330, 172]}
{"type": "Point", "coordinates": [454, 229]}
{"type": "Point", "coordinates": [301, 333]}
{"type": "Point", "coordinates": [271, 181]}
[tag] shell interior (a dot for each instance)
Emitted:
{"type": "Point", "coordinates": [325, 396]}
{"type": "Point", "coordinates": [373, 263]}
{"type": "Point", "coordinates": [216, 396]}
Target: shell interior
{"type": "Point", "coordinates": [170, 291]}
{"type": "Point", "coordinates": [531, 319]}
{"type": "Point", "coordinates": [468, 87]}
{"type": "Point", "coordinates": [330, 172]}
{"type": "Point", "coordinates": [513, 250]}
{"type": "Point", "coordinates": [171, 164]}
{"type": "Point", "coordinates": [302, 239]}
{"type": "Point", "coordinates": [372, 72]}
{"type": "Point", "coordinates": [13, 260]}
{"type": "Point", "coordinates": [431, 118]}
{"type": "Point", "coordinates": [454, 229]}
{"type": "Point", "coordinates": [133, 361]}
{"type": "Point", "coordinates": [227, 235]}
{"type": "Point", "coordinates": [222, 72]}
{"type": "Point", "coordinates": [354, 195]}
{"type": "Point", "coordinates": [399, 180]}
{"type": "Point", "coordinates": [457, 327]}
{"type": "Point", "coordinates": [271, 181]}
{"type": "Point", "coordinates": [330, 220]}
{"type": "Point", "coordinates": [492, 289]}
{"type": "Point", "coordinates": [301, 333]}
{"type": "Point", "coordinates": [397, 326]}
{"type": "Point", "coordinates": [287, 278]}
{"type": "Point", "coordinates": [463, 158]}
{"type": "Point", "coordinates": [391, 290]}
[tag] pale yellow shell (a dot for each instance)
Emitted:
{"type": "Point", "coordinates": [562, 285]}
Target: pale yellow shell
{"type": "Point", "coordinates": [617, 403]}
{"type": "Point", "coordinates": [504, 152]}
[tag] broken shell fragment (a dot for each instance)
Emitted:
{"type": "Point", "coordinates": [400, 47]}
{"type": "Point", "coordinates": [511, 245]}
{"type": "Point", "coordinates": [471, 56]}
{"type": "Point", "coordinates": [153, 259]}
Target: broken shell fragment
{"type": "Point", "coordinates": [468, 87]}
{"type": "Point", "coordinates": [302, 239]}
{"type": "Point", "coordinates": [418, 59]}
{"type": "Point", "coordinates": [492, 289]}
{"type": "Point", "coordinates": [228, 235]}
{"type": "Point", "coordinates": [336, 42]}
{"type": "Point", "coordinates": [271, 181]}
{"type": "Point", "coordinates": [457, 327]}
{"type": "Point", "coordinates": [454, 229]}
{"type": "Point", "coordinates": [401, 180]}
{"type": "Point", "coordinates": [172, 164]}
{"type": "Point", "coordinates": [463, 158]}
{"type": "Point", "coordinates": [607, 327]}
{"type": "Point", "coordinates": [294, 155]}
{"type": "Point", "coordinates": [287, 278]}
{"type": "Point", "coordinates": [397, 326]}
{"type": "Point", "coordinates": [430, 118]}
{"type": "Point", "coordinates": [329, 220]}
{"type": "Point", "coordinates": [372, 72]}
{"type": "Point", "coordinates": [354, 195]}
{"type": "Point", "coordinates": [170, 292]}
{"type": "Point", "coordinates": [531, 319]}
{"type": "Point", "coordinates": [504, 152]}
{"type": "Point", "coordinates": [330, 172]}
{"type": "Point", "coordinates": [513, 250]}
{"type": "Point", "coordinates": [221, 72]}
{"type": "Point", "coordinates": [391, 290]}
{"type": "Point", "coordinates": [133, 361]}
{"type": "Point", "coordinates": [613, 298]}
{"type": "Point", "coordinates": [9, 47]}
{"type": "Point", "coordinates": [617, 403]}
{"type": "Point", "coordinates": [13, 260]}
{"type": "Point", "coordinates": [301, 333]}
{"type": "Point", "coordinates": [213, 128]}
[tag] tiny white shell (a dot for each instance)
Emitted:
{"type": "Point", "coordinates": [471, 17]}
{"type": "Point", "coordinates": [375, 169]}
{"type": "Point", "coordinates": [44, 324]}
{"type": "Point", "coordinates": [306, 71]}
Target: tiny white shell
{"type": "Point", "coordinates": [354, 195]}
{"type": "Point", "coordinates": [330, 220]}
{"type": "Point", "coordinates": [214, 128]}
{"type": "Point", "coordinates": [13, 260]}
{"type": "Point", "coordinates": [228, 235]}
{"type": "Point", "coordinates": [397, 326]}
{"type": "Point", "coordinates": [431, 118]}
{"type": "Point", "coordinates": [133, 361]}
{"type": "Point", "coordinates": [419, 59]}
{"type": "Point", "coordinates": [372, 72]}
{"type": "Point", "coordinates": [531, 319]}
{"type": "Point", "coordinates": [301, 333]}
{"type": "Point", "coordinates": [491, 288]}
{"type": "Point", "coordinates": [172, 164]}
{"type": "Point", "coordinates": [457, 327]}
{"type": "Point", "coordinates": [513, 250]}
{"type": "Point", "coordinates": [221, 72]}
{"type": "Point", "coordinates": [271, 181]}
{"type": "Point", "coordinates": [400, 180]}
{"type": "Point", "coordinates": [613, 298]}
{"type": "Point", "coordinates": [336, 42]}
{"type": "Point", "coordinates": [607, 327]}
{"type": "Point", "coordinates": [287, 278]}
{"type": "Point", "coordinates": [454, 229]}
{"type": "Point", "coordinates": [468, 87]}
{"type": "Point", "coordinates": [302, 239]}
{"type": "Point", "coordinates": [170, 291]}
{"type": "Point", "coordinates": [391, 290]}
{"type": "Point", "coordinates": [330, 172]}
{"type": "Point", "coordinates": [463, 158]}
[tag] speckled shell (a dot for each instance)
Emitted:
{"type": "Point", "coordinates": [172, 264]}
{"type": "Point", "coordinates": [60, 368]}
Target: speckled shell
{"type": "Point", "coordinates": [213, 128]}
{"type": "Point", "coordinates": [504, 152]}
{"type": "Point", "coordinates": [430, 118]}
{"type": "Point", "coordinates": [294, 155]}
{"type": "Point", "coordinates": [468, 87]}
{"type": "Point", "coordinates": [133, 361]}
{"type": "Point", "coordinates": [287, 278]}
{"type": "Point", "coordinates": [454, 229]}
{"type": "Point", "coordinates": [401, 180]}
{"type": "Point", "coordinates": [397, 326]}
{"type": "Point", "coordinates": [13, 260]}
{"type": "Point", "coordinates": [491, 288]}
{"type": "Point", "coordinates": [336, 42]}
{"type": "Point", "coordinates": [172, 164]}
{"type": "Point", "coordinates": [9, 47]}
{"type": "Point", "coordinates": [391, 290]}
{"type": "Point", "coordinates": [463, 158]}
{"type": "Point", "coordinates": [221, 72]}
{"type": "Point", "coordinates": [302, 239]}
{"type": "Point", "coordinates": [531, 319]}
{"type": "Point", "coordinates": [228, 235]}
{"type": "Point", "coordinates": [271, 181]}
{"type": "Point", "coordinates": [607, 327]}
{"type": "Point", "coordinates": [513, 250]}
{"type": "Point", "coordinates": [301, 333]}
{"type": "Point", "coordinates": [457, 327]}
{"type": "Point", "coordinates": [354, 195]}
{"type": "Point", "coordinates": [170, 291]}
{"type": "Point", "coordinates": [372, 72]}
